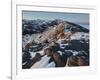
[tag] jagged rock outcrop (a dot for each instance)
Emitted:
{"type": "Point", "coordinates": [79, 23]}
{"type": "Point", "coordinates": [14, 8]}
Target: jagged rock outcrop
{"type": "Point", "coordinates": [51, 34]}
{"type": "Point", "coordinates": [54, 43]}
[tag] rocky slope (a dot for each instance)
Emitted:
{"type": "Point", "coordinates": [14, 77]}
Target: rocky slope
{"type": "Point", "coordinates": [55, 43]}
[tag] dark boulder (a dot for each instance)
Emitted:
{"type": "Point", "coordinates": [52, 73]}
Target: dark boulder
{"type": "Point", "coordinates": [30, 62]}
{"type": "Point", "coordinates": [77, 45]}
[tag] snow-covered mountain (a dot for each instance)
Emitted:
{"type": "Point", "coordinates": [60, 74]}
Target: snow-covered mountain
{"type": "Point", "coordinates": [54, 43]}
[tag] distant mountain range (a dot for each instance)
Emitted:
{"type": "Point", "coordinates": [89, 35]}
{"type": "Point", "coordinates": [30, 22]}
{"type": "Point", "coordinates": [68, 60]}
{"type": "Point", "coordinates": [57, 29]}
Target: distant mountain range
{"type": "Point", "coordinates": [38, 26]}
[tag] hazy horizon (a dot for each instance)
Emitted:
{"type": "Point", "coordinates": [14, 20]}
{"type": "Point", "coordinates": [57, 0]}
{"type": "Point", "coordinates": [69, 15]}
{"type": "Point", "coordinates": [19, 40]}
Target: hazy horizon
{"type": "Point", "coordinates": [78, 18]}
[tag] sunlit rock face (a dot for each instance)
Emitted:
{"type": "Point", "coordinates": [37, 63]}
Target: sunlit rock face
{"type": "Point", "coordinates": [56, 43]}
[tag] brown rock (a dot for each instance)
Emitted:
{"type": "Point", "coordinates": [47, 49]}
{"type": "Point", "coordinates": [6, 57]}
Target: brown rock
{"type": "Point", "coordinates": [58, 60]}
{"type": "Point", "coordinates": [48, 51]}
{"type": "Point", "coordinates": [71, 61]}
{"type": "Point", "coordinates": [82, 62]}
{"type": "Point", "coordinates": [76, 61]}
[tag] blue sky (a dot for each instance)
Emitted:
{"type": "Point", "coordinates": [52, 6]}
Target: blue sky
{"type": "Point", "coordinates": [79, 18]}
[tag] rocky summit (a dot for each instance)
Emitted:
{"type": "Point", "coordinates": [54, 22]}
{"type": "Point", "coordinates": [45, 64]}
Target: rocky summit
{"type": "Point", "coordinates": [54, 43]}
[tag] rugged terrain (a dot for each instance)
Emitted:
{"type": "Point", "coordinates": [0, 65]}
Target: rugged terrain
{"type": "Point", "coordinates": [54, 43]}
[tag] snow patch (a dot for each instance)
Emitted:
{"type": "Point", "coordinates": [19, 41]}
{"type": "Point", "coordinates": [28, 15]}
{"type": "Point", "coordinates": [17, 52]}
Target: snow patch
{"type": "Point", "coordinates": [73, 51]}
{"type": "Point", "coordinates": [52, 64]}
{"type": "Point", "coordinates": [32, 54]}
{"type": "Point", "coordinates": [80, 36]}
{"type": "Point", "coordinates": [42, 63]}
{"type": "Point", "coordinates": [60, 52]}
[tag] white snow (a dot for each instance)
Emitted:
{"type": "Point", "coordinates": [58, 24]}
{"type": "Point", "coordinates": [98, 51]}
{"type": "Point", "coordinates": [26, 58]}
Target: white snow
{"type": "Point", "coordinates": [62, 45]}
{"type": "Point", "coordinates": [60, 52]}
{"type": "Point", "coordinates": [52, 64]}
{"type": "Point", "coordinates": [42, 63]}
{"type": "Point", "coordinates": [60, 40]}
{"type": "Point", "coordinates": [35, 37]}
{"type": "Point", "coordinates": [24, 63]}
{"type": "Point", "coordinates": [80, 35]}
{"type": "Point", "coordinates": [73, 51]}
{"type": "Point", "coordinates": [41, 52]}
{"type": "Point", "coordinates": [25, 38]}
{"type": "Point", "coordinates": [28, 39]}
{"type": "Point", "coordinates": [32, 54]}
